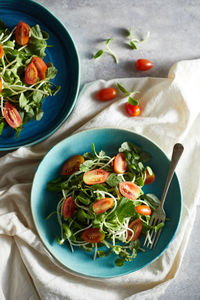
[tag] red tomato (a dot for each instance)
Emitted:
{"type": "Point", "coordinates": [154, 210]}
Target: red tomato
{"type": "Point", "coordinates": [129, 190]}
{"type": "Point", "coordinates": [0, 84]}
{"type": "Point", "coordinates": [92, 235]}
{"type": "Point", "coordinates": [12, 115]}
{"type": "Point", "coordinates": [22, 33]}
{"type": "Point", "coordinates": [1, 51]}
{"type": "Point", "coordinates": [106, 94]}
{"type": "Point", "coordinates": [40, 66]}
{"type": "Point", "coordinates": [95, 176]}
{"type": "Point", "coordinates": [148, 178]}
{"type": "Point", "coordinates": [143, 210]}
{"type": "Point", "coordinates": [144, 64]}
{"type": "Point", "coordinates": [133, 110]}
{"type": "Point", "coordinates": [68, 207]}
{"type": "Point", "coordinates": [72, 165]}
{"type": "Point", "coordinates": [102, 205]}
{"type": "Point", "coordinates": [31, 74]}
{"type": "Point", "coordinates": [136, 226]}
{"type": "Point", "coordinates": [120, 163]}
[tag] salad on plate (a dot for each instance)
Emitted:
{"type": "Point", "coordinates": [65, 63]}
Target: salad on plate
{"type": "Point", "coordinates": [25, 79]}
{"type": "Point", "coordinates": [102, 206]}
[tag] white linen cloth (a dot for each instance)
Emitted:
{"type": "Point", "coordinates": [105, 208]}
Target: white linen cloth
{"type": "Point", "coordinates": [170, 114]}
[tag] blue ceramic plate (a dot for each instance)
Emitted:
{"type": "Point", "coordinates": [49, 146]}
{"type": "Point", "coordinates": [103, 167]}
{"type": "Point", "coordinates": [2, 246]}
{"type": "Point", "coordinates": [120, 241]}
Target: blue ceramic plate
{"type": "Point", "coordinates": [63, 55]}
{"type": "Point", "coordinates": [43, 202]}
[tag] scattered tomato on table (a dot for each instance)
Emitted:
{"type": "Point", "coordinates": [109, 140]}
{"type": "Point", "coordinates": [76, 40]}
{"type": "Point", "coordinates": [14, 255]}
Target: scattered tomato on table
{"type": "Point", "coordinates": [143, 64]}
{"type": "Point", "coordinates": [106, 94]}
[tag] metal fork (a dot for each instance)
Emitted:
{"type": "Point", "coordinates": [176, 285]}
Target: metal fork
{"type": "Point", "coordinates": [159, 215]}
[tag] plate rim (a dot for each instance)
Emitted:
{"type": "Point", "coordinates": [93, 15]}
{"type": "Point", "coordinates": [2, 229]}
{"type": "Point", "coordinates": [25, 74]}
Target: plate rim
{"type": "Point", "coordinates": [42, 138]}
{"type": "Point", "coordinates": [81, 274]}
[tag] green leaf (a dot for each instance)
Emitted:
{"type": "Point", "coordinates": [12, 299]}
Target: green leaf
{"type": "Point", "coordinates": [22, 100]}
{"type": "Point", "coordinates": [119, 262]}
{"type": "Point", "coordinates": [100, 253]}
{"type": "Point", "coordinates": [125, 208]}
{"type": "Point", "coordinates": [6, 93]}
{"type": "Point", "coordinates": [123, 90]}
{"type": "Point", "coordinates": [98, 54]}
{"type": "Point", "coordinates": [113, 180]}
{"type": "Point", "coordinates": [133, 45]}
{"type": "Point", "coordinates": [37, 96]}
{"type": "Point", "coordinates": [86, 165]}
{"type": "Point", "coordinates": [2, 124]}
{"type": "Point", "coordinates": [51, 71]}
{"type": "Point", "coordinates": [133, 101]}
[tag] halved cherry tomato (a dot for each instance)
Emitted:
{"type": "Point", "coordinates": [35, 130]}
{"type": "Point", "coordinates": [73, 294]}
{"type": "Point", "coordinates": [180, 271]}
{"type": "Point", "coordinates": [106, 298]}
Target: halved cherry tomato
{"type": "Point", "coordinates": [95, 176]}
{"type": "Point", "coordinates": [1, 51]}
{"type": "Point", "coordinates": [92, 235]}
{"type": "Point", "coordinates": [72, 165]}
{"type": "Point", "coordinates": [40, 66]}
{"type": "Point", "coordinates": [149, 178]}
{"type": "Point", "coordinates": [106, 94]}
{"type": "Point", "coordinates": [120, 163]}
{"type": "Point", "coordinates": [133, 110]}
{"type": "Point", "coordinates": [102, 205]}
{"type": "Point", "coordinates": [31, 74]}
{"type": "Point", "coordinates": [129, 190]}
{"type": "Point", "coordinates": [136, 226]}
{"type": "Point", "coordinates": [0, 84]}
{"type": "Point", "coordinates": [22, 33]}
{"type": "Point", "coordinates": [144, 64]}
{"type": "Point", "coordinates": [12, 115]}
{"type": "Point", "coordinates": [68, 207]}
{"type": "Point", "coordinates": [143, 210]}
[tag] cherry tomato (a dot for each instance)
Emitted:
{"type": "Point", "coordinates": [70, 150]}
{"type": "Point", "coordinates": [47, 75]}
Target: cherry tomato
{"type": "Point", "coordinates": [31, 74]}
{"type": "Point", "coordinates": [129, 190]}
{"type": "Point", "coordinates": [40, 66]}
{"type": "Point", "coordinates": [92, 235]}
{"type": "Point", "coordinates": [106, 94]}
{"type": "Point", "coordinates": [120, 163]}
{"type": "Point", "coordinates": [102, 205]}
{"type": "Point", "coordinates": [136, 226]}
{"type": "Point", "coordinates": [1, 51]}
{"type": "Point", "coordinates": [22, 33]}
{"type": "Point", "coordinates": [133, 110]}
{"type": "Point", "coordinates": [149, 178]}
{"type": "Point", "coordinates": [0, 84]}
{"type": "Point", "coordinates": [143, 210]}
{"type": "Point", "coordinates": [95, 176]}
{"type": "Point", "coordinates": [68, 207]}
{"type": "Point", "coordinates": [144, 64]}
{"type": "Point", "coordinates": [72, 165]}
{"type": "Point", "coordinates": [12, 115]}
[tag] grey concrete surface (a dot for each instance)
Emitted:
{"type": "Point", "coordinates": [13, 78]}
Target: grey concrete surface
{"type": "Point", "coordinates": [174, 35]}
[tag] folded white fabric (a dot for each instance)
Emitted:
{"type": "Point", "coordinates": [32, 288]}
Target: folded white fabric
{"type": "Point", "coordinates": [170, 114]}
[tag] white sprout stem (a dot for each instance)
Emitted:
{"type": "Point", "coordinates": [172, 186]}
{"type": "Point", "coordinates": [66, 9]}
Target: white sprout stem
{"type": "Point", "coordinates": [7, 38]}
{"type": "Point", "coordinates": [59, 213]}
{"type": "Point", "coordinates": [105, 165]}
{"type": "Point", "coordinates": [2, 105]}
{"type": "Point", "coordinates": [64, 195]}
{"type": "Point", "coordinates": [95, 251]}
{"type": "Point", "coordinates": [142, 201]}
{"type": "Point", "coordinates": [22, 47]}
{"type": "Point", "coordinates": [82, 229]}
{"type": "Point", "coordinates": [80, 206]}
{"type": "Point", "coordinates": [1, 36]}
{"type": "Point", "coordinates": [71, 246]}
{"type": "Point", "coordinates": [121, 175]}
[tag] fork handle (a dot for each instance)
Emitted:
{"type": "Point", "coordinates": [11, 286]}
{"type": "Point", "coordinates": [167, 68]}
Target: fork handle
{"type": "Point", "coordinates": [176, 154]}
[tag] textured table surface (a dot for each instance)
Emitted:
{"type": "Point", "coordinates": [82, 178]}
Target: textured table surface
{"type": "Point", "coordinates": [174, 36]}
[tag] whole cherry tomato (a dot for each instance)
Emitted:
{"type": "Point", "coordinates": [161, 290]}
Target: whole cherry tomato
{"type": "Point", "coordinates": [1, 51]}
{"type": "Point", "coordinates": [133, 110]}
{"type": "Point", "coordinates": [31, 74]}
{"type": "Point", "coordinates": [143, 210]}
{"type": "Point", "coordinates": [40, 66]}
{"type": "Point", "coordinates": [22, 33]}
{"type": "Point", "coordinates": [95, 176]}
{"type": "Point", "coordinates": [136, 226]}
{"type": "Point", "coordinates": [120, 163]}
{"type": "Point", "coordinates": [129, 190]}
{"type": "Point", "coordinates": [68, 207]}
{"type": "Point", "coordinates": [102, 205]}
{"type": "Point", "coordinates": [106, 94]}
{"type": "Point", "coordinates": [12, 115]}
{"type": "Point", "coordinates": [72, 165]}
{"type": "Point", "coordinates": [92, 235]}
{"type": "Point", "coordinates": [144, 64]}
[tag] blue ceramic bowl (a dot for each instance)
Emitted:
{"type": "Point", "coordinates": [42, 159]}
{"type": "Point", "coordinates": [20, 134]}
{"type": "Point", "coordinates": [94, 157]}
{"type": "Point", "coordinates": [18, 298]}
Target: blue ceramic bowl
{"type": "Point", "coordinates": [63, 55]}
{"type": "Point", "coordinates": [43, 202]}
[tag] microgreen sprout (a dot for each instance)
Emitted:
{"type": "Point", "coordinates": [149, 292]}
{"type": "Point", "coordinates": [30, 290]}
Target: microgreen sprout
{"type": "Point", "coordinates": [133, 40]}
{"type": "Point", "coordinates": [131, 94]}
{"type": "Point", "coordinates": [107, 50]}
